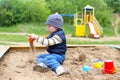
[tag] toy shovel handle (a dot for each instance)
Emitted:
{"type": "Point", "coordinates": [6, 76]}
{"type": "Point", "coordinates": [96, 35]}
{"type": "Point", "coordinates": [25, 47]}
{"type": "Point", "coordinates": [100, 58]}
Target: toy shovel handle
{"type": "Point", "coordinates": [32, 48]}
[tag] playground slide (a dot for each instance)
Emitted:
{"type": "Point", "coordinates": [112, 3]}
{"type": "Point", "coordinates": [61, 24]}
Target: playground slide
{"type": "Point", "coordinates": [93, 32]}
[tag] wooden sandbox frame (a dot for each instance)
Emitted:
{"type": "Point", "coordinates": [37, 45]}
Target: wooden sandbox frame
{"type": "Point", "coordinates": [4, 49]}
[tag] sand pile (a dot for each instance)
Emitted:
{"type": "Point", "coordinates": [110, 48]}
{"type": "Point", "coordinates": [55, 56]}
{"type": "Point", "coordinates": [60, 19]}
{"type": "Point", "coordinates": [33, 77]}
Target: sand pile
{"type": "Point", "coordinates": [17, 64]}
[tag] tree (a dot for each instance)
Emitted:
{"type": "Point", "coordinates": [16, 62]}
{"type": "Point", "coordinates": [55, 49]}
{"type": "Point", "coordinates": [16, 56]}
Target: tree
{"type": "Point", "coordinates": [114, 4]}
{"type": "Point", "coordinates": [20, 11]}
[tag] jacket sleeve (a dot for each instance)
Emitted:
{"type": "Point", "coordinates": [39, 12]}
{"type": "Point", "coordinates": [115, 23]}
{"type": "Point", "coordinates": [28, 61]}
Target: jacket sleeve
{"type": "Point", "coordinates": [49, 42]}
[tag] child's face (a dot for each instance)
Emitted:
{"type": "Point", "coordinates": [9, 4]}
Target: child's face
{"type": "Point", "coordinates": [52, 29]}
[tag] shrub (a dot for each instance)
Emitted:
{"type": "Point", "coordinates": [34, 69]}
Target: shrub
{"type": "Point", "coordinates": [19, 11]}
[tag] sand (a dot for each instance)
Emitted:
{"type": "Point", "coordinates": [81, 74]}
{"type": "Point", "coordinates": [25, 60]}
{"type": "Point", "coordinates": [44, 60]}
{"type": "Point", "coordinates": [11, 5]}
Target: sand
{"type": "Point", "coordinates": [18, 64]}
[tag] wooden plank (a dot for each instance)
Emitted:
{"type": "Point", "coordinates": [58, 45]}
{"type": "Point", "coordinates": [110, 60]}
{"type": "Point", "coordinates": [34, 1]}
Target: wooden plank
{"type": "Point", "coordinates": [115, 46]}
{"type": "Point", "coordinates": [68, 46]}
{"type": "Point", "coordinates": [3, 50]}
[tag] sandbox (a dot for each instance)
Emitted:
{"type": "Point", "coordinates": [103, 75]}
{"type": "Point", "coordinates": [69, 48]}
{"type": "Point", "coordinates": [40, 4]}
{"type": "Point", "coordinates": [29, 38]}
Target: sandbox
{"type": "Point", "coordinates": [17, 64]}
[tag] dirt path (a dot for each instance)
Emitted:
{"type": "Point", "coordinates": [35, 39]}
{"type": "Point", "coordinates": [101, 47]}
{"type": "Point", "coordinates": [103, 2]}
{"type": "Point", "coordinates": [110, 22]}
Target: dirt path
{"type": "Point", "coordinates": [117, 24]}
{"type": "Point", "coordinates": [14, 33]}
{"type": "Point", "coordinates": [101, 39]}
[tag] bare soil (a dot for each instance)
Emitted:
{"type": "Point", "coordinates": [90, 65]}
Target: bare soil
{"type": "Point", "coordinates": [17, 64]}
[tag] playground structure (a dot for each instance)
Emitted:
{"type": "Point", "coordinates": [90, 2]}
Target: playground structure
{"type": "Point", "coordinates": [87, 18]}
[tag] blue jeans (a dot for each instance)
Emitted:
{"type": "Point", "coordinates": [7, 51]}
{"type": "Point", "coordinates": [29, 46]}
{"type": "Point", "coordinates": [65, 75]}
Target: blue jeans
{"type": "Point", "coordinates": [51, 60]}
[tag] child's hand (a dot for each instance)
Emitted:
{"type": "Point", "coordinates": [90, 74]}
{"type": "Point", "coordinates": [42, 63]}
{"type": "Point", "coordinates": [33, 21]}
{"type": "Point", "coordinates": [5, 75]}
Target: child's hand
{"type": "Point", "coordinates": [32, 37]}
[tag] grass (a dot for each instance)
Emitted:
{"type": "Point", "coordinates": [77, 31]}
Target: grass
{"type": "Point", "coordinates": [14, 28]}
{"type": "Point", "coordinates": [2, 43]}
{"type": "Point", "coordinates": [23, 38]}
{"type": "Point", "coordinates": [91, 42]}
{"type": "Point", "coordinates": [13, 38]}
{"type": "Point", "coordinates": [69, 29]}
{"type": "Point", "coordinates": [41, 29]}
{"type": "Point", "coordinates": [26, 28]}
{"type": "Point", "coordinates": [107, 31]}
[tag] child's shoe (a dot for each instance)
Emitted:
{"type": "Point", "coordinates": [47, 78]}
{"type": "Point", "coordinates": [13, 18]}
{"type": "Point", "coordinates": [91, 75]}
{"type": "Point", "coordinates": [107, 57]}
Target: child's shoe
{"type": "Point", "coordinates": [61, 70]}
{"type": "Point", "coordinates": [41, 67]}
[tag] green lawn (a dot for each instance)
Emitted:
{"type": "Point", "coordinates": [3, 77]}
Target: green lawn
{"type": "Point", "coordinates": [41, 29]}
{"type": "Point", "coordinates": [13, 38]}
{"type": "Point", "coordinates": [23, 38]}
{"type": "Point", "coordinates": [3, 43]}
{"type": "Point", "coordinates": [26, 28]}
{"type": "Point", "coordinates": [91, 42]}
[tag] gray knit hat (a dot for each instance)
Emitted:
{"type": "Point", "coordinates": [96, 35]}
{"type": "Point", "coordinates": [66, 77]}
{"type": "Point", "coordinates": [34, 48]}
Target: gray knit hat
{"type": "Point", "coordinates": [55, 20]}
